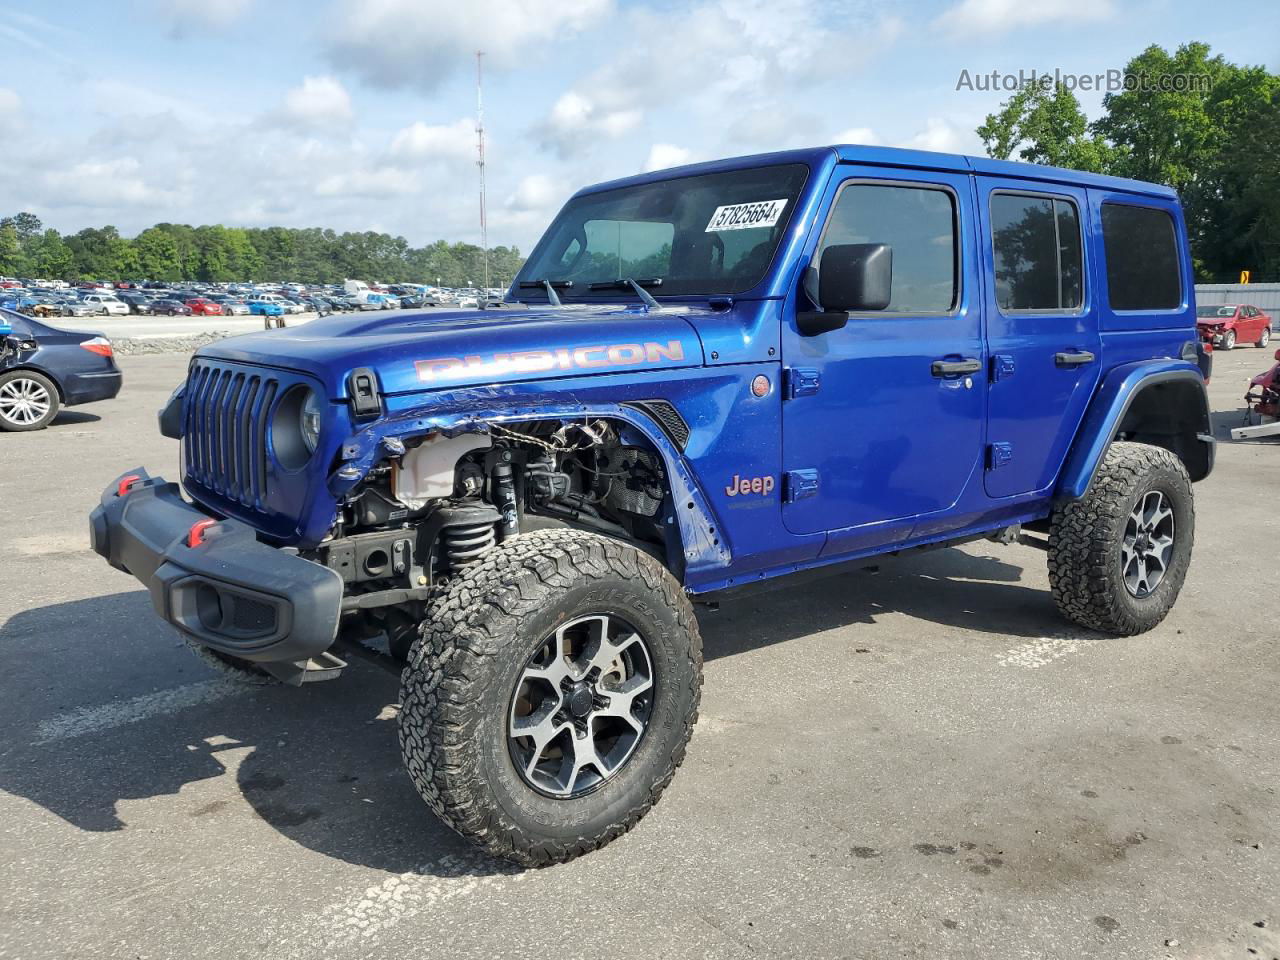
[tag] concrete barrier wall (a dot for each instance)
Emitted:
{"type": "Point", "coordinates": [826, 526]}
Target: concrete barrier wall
{"type": "Point", "coordinates": [1264, 296]}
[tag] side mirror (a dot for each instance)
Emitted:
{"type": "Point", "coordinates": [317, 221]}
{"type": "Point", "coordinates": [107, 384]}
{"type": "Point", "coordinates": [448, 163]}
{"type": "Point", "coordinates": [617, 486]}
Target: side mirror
{"type": "Point", "coordinates": [852, 277]}
{"type": "Point", "coordinates": [856, 276]}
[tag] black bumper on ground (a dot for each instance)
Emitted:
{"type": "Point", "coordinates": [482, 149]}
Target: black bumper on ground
{"type": "Point", "coordinates": [228, 592]}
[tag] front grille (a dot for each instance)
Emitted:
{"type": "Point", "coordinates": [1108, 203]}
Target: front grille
{"type": "Point", "coordinates": [225, 414]}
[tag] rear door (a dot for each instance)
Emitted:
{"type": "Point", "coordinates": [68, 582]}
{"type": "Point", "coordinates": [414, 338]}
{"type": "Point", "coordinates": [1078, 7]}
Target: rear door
{"type": "Point", "coordinates": [1042, 329]}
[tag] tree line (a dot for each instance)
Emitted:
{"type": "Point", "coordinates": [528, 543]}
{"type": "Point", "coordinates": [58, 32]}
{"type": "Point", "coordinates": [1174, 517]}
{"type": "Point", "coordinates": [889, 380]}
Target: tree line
{"type": "Point", "coordinates": [176, 251]}
{"type": "Point", "coordinates": [1217, 145]}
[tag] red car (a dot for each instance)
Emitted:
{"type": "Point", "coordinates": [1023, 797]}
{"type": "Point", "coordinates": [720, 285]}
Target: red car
{"type": "Point", "coordinates": [1227, 324]}
{"type": "Point", "coordinates": [202, 307]}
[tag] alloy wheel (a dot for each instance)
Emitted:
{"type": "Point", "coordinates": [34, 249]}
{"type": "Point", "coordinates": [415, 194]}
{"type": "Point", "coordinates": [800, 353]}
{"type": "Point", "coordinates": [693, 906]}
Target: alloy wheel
{"type": "Point", "coordinates": [581, 706]}
{"type": "Point", "coordinates": [1147, 548]}
{"type": "Point", "coordinates": [24, 402]}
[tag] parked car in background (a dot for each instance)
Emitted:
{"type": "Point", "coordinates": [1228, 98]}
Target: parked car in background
{"type": "Point", "coordinates": [43, 368]}
{"type": "Point", "coordinates": [1227, 324]}
{"type": "Point", "coordinates": [234, 307]}
{"type": "Point", "coordinates": [201, 307]}
{"type": "Point", "coordinates": [417, 301]}
{"type": "Point", "coordinates": [137, 303]}
{"type": "Point", "coordinates": [171, 308]}
{"type": "Point", "coordinates": [107, 304]}
{"type": "Point", "coordinates": [265, 308]}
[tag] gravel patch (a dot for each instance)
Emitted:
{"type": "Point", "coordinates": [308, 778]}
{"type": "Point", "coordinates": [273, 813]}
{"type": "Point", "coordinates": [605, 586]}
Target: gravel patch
{"type": "Point", "coordinates": [136, 346]}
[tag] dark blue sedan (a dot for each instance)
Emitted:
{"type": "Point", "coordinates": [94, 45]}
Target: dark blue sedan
{"type": "Point", "coordinates": [43, 369]}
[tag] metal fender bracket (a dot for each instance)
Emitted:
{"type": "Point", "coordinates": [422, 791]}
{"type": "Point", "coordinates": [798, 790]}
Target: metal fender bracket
{"type": "Point", "coordinates": [799, 485]}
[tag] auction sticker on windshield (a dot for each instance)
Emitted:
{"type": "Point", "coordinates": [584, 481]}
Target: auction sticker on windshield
{"type": "Point", "coordinates": [744, 216]}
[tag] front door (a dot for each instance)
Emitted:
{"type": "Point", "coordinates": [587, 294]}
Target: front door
{"type": "Point", "coordinates": [1042, 331]}
{"type": "Point", "coordinates": [884, 417]}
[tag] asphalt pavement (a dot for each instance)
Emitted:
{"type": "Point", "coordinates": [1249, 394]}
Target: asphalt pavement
{"type": "Point", "coordinates": [922, 762]}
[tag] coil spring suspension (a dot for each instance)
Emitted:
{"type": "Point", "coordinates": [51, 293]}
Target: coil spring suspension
{"type": "Point", "coordinates": [466, 542]}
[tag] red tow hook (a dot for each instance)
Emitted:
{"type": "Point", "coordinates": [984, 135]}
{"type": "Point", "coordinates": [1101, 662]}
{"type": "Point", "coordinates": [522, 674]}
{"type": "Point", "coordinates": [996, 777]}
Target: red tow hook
{"type": "Point", "coordinates": [195, 536]}
{"type": "Point", "coordinates": [126, 484]}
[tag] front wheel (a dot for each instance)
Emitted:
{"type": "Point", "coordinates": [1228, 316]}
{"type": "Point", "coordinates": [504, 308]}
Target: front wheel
{"type": "Point", "coordinates": [1229, 340]}
{"type": "Point", "coordinates": [1118, 557]}
{"type": "Point", "coordinates": [549, 700]}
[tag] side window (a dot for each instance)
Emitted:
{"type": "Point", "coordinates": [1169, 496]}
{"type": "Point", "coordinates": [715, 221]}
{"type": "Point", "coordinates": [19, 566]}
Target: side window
{"type": "Point", "coordinates": [1142, 258]}
{"type": "Point", "coordinates": [1036, 242]}
{"type": "Point", "coordinates": [919, 224]}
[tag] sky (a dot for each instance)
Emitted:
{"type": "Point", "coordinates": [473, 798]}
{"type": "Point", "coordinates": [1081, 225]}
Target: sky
{"type": "Point", "coordinates": [360, 114]}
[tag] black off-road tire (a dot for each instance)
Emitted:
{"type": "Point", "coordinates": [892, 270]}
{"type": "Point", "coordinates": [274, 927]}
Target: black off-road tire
{"type": "Point", "coordinates": [232, 668]}
{"type": "Point", "coordinates": [457, 688]}
{"type": "Point", "coordinates": [1085, 540]}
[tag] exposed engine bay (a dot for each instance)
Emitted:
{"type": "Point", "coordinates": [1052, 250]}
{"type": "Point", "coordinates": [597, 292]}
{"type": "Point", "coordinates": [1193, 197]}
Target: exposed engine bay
{"type": "Point", "coordinates": [439, 503]}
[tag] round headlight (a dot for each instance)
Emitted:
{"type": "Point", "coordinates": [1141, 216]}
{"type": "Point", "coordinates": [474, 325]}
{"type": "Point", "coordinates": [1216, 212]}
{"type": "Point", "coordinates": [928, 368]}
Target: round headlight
{"type": "Point", "coordinates": [311, 418]}
{"type": "Point", "coordinates": [295, 428]}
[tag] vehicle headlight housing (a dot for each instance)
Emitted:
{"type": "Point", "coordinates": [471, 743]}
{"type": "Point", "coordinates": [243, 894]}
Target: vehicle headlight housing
{"type": "Point", "coordinates": [295, 427]}
{"type": "Point", "coordinates": [312, 415]}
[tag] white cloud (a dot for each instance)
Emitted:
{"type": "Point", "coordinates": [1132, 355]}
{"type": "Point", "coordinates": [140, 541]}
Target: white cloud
{"type": "Point", "coordinates": [107, 183]}
{"type": "Point", "coordinates": [740, 65]}
{"type": "Point", "coordinates": [187, 15]}
{"type": "Point", "coordinates": [941, 136]}
{"type": "Point", "coordinates": [369, 182]}
{"type": "Point", "coordinates": [402, 43]}
{"type": "Point", "coordinates": [536, 192]}
{"type": "Point", "coordinates": [858, 135]}
{"type": "Point", "coordinates": [449, 141]}
{"type": "Point", "coordinates": [10, 102]}
{"type": "Point", "coordinates": [318, 101]}
{"type": "Point", "coordinates": [970, 17]}
{"type": "Point", "coordinates": [664, 155]}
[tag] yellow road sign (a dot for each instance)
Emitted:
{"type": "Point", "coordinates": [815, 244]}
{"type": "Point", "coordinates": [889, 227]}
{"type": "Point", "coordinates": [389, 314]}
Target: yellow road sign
{"type": "Point", "coordinates": [1244, 276]}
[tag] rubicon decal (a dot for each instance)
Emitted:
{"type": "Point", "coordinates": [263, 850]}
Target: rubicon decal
{"type": "Point", "coordinates": [746, 486]}
{"type": "Point", "coordinates": [558, 358]}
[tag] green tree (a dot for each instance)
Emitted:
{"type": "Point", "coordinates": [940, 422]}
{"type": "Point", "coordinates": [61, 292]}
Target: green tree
{"type": "Point", "coordinates": [50, 257]}
{"type": "Point", "coordinates": [1045, 126]}
{"type": "Point", "coordinates": [12, 260]}
{"type": "Point", "coordinates": [157, 254]}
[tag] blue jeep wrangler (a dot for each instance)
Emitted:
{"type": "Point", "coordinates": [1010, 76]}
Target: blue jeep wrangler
{"type": "Point", "coordinates": [704, 380]}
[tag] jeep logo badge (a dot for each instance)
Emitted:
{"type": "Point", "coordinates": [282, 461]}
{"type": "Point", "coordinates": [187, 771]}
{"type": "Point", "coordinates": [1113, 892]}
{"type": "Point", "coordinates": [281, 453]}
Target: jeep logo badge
{"type": "Point", "coordinates": [745, 486]}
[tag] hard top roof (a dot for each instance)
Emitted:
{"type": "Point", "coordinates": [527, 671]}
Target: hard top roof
{"type": "Point", "coordinates": [898, 157]}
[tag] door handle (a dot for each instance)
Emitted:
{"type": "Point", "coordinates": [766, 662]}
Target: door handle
{"type": "Point", "coordinates": [1072, 358]}
{"type": "Point", "coordinates": [955, 368]}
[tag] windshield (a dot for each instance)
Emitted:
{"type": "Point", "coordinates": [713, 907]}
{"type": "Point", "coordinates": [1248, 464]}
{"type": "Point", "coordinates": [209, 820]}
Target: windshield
{"type": "Point", "coordinates": [1215, 311]}
{"type": "Point", "coordinates": [690, 236]}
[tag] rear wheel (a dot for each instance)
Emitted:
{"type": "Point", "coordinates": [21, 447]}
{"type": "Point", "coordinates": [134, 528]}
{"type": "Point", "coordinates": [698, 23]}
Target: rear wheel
{"type": "Point", "coordinates": [549, 700]}
{"type": "Point", "coordinates": [28, 401]}
{"type": "Point", "coordinates": [1264, 338]}
{"type": "Point", "coordinates": [1118, 557]}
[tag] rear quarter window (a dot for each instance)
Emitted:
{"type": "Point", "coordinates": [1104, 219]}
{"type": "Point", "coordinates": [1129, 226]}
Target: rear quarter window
{"type": "Point", "coordinates": [1142, 258]}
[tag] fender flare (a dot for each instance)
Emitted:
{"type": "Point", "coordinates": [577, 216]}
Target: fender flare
{"type": "Point", "coordinates": [1113, 398]}
{"type": "Point", "coordinates": [470, 410]}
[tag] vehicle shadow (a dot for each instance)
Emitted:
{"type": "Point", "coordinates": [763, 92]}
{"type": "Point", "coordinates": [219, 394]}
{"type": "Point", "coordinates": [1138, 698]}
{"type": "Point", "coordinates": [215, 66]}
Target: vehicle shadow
{"type": "Point", "coordinates": [71, 418]}
{"type": "Point", "coordinates": [322, 764]}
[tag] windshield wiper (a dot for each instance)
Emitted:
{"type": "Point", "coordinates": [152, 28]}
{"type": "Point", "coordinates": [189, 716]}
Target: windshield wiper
{"type": "Point", "coordinates": [549, 286]}
{"type": "Point", "coordinates": [626, 283]}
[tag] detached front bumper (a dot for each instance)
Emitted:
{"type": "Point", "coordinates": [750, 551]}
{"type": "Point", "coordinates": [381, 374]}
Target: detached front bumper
{"type": "Point", "coordinates": [217, 583]}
